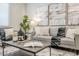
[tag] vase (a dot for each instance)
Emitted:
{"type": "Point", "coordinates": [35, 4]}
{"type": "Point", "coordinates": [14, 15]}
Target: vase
{"type": "Point", "coordinates": [20, 32]}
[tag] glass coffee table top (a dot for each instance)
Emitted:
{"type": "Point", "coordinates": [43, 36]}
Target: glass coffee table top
{"type": "Point", "coordinates": [33, 48]}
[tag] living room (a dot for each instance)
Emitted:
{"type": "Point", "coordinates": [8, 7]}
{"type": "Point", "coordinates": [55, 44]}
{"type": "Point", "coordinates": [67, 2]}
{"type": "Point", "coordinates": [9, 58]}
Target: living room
{"type": "Point", "coordinates": [44, 25]}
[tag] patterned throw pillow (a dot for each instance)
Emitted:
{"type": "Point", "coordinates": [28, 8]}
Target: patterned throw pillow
{"type": "Point", "coordinates": [9, 33]}
{"type": "Point", "coordinates": [70, 33]}
{"type": "Point", "coordinates": [61, 32]}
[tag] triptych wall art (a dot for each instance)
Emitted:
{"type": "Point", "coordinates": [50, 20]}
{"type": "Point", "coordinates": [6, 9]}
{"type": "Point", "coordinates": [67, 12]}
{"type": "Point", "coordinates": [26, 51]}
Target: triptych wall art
{"type": "Point", "coordinates": [59, 14]}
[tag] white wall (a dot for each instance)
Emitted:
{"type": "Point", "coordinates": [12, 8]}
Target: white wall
{"type": "Point", "coordinates": [17, 10]}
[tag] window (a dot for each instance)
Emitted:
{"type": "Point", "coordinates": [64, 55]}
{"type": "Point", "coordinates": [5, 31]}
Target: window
{"type": "Point", "coordinates": [4, 14]}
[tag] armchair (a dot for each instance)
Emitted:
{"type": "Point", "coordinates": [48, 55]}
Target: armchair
{"type": "Point", "coordinates": [67, 39]}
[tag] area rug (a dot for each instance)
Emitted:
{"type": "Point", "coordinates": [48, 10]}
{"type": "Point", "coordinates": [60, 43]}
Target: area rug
{"type": "Point", "coordinates": [11, 51]}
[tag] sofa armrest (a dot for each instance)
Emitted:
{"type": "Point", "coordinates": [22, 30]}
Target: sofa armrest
{"type": "Point", "coordinates": [76, 41]}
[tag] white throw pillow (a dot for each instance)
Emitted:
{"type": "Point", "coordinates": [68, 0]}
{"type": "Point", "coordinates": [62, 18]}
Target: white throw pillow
{"type": "Point", "coordinates": [42, 31]}
{"type": "Point", "coordinates": [53, 31]}
{"type": "Point", "coordinates": [9, 32]}
{"type": "Point", "coordinates": [70, 33]}
{"type": "Point", "coordinates": [77, 31]}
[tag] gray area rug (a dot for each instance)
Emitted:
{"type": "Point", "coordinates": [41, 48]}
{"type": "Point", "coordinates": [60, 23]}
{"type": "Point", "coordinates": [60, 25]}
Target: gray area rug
{"type": "Point", "coordinates": [11, 51]}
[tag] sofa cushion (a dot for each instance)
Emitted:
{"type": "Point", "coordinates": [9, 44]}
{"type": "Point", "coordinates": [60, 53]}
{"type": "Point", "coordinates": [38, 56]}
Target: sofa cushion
{"type": "Point", "coordinates": [67, 41]}
{"type": "Point", "coordinates": [43, 38]}
{"type": "Point", "coordinates": [42, 31]}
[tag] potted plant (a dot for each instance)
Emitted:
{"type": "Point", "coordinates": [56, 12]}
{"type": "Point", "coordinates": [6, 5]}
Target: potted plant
{"type": "Point", "coordinates": [25, 25]}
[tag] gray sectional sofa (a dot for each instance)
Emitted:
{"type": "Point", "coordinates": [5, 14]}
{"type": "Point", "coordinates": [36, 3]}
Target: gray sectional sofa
{"type": "Point", "coordinates": [71, 39]}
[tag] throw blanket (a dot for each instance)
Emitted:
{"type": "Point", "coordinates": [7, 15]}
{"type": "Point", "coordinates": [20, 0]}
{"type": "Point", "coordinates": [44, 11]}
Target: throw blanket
{"type": "Point", "coordinates": [55, 41]}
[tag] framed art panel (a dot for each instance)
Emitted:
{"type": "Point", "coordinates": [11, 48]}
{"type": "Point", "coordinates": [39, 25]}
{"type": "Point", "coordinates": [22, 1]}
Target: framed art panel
{"type": "Point", "coordinates": [57, 14]}
{"type": "Point", "coordinates": [42, 14]}
{"type": "Point", "coordinates": [73, 14]}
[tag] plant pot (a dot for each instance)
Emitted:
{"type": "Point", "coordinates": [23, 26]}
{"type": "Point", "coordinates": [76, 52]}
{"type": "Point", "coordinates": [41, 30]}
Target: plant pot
{"type": "Point", "coordinates": [25, 37]}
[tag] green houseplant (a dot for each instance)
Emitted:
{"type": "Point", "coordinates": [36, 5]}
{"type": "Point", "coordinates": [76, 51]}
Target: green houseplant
{"type": "Point", "coordinates": [25, 25]}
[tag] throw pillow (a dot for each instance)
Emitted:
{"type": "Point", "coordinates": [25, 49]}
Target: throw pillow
{"type": "Point", "coordinates": [70, 33]}
{"type": "Point", "coordinates": [42, 31]}
{"type": "Point", "coordinates": [53, 31]}
{"type": "Point", "coordinates": [8, 33]}
{"type": "Point", "coordinates": [77, 31]}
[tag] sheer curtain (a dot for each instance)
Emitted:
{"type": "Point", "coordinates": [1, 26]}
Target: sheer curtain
{"type": "Point", "coordinates": [4, 14]}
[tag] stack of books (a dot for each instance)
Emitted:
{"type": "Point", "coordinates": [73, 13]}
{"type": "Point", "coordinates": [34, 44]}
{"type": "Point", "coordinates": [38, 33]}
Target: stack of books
{"type": "Point", "coordinates": [33, 44]}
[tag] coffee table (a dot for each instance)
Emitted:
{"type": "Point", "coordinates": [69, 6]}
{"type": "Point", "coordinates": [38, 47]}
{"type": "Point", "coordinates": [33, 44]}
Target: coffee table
{"type": "Point", "coordinates": [20, 45]}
